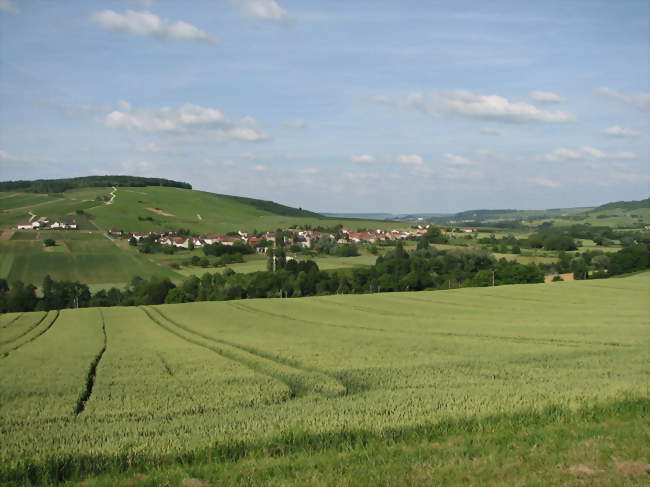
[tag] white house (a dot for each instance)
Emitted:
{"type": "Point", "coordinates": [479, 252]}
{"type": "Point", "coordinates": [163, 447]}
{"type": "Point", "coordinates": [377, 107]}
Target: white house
{"type": "Point", "coordinates": [24, 226]}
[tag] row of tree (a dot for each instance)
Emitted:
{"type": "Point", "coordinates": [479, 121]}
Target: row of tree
{"type": "Point", "coordinates": [398, 270]}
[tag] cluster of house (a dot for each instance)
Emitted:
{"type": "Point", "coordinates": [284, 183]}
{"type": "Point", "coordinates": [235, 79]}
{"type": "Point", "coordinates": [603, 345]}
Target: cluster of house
{"type": "Point", "coordinates": [302, 238]}
{"type": "Point", "coordinates": [44, 223]}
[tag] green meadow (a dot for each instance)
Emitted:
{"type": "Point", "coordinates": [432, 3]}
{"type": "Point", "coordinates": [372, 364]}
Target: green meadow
{"type": "Point", "coordinates": [515, 385]}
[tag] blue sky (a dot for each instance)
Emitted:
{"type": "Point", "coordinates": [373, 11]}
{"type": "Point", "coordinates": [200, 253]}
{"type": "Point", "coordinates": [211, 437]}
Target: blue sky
{"type": "Point", "coordinates": [357, 106]}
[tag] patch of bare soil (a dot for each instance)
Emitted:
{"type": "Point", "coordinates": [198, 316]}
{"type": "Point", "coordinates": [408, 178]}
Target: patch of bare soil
{"type": "Point", "coordinates": [633, 469]}
{"type": "Point", "coordinates": [6, 235]}
{"type": "Point", "coordinates": [582, 470]}
{"type": "Point", "coordinates": [158, 211]}
{"type": "Point", "coordinates": [190, 482]}
{"type": "Point", "coordinates": [199, 216]}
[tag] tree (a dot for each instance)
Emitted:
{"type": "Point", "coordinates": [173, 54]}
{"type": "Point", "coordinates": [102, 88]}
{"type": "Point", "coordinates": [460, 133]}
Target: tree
{"type": "Point", "coordinates": [49, 242]}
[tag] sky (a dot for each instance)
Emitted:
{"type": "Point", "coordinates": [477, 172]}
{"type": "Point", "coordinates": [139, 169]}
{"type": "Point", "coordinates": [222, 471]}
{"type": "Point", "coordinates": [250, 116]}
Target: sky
{"type": "Point", "coordinates": [338, 106]}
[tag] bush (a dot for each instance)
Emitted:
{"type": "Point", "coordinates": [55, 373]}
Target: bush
{"type": "Point", "coordinates": [49, 242]}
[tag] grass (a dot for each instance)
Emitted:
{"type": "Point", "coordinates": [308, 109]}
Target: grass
{"type": "Point", "coordinates": [485, 386]}
{"type": "Point", "coordinates": [218, 214]}
{"type": "Point", "coordinates": [89, 258]}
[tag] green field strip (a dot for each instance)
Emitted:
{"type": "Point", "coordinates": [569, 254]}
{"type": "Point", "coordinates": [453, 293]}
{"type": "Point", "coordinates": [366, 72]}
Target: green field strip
{"type": "Point", "coordinates": [41, 383]}
{"type": "Point", "coordinates": [480, 336]}
{"type": "Point", "coordinates": [35, 332]}
{"type": "Point", "coordinates": [131, 372]}
{"type": "Point", "coordinates": [92, 373]}
{"type": "Point", "coordinates": [300, 381]}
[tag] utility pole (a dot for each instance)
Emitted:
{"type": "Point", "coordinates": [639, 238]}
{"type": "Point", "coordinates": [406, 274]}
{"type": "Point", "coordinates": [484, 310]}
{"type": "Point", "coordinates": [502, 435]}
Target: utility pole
{"type": "Point", "coordinates": [493, 271]}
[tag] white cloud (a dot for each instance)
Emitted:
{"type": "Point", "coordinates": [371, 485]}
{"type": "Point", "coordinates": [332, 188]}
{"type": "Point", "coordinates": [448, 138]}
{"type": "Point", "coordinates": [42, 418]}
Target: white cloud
{"type": "Point", "coordinates": [489, 131]}
{"type": "Point", "coordinates": [9, 7]}
{"type": "Point", "coordinates": [618, 131]}
{"type": "Point", "coordinates": [362, 158]}
{"type": "Point", "coordinates": [297, 123]}
{"type": "Point", "coordinates": [251, 156]}
{"type": "Point", "coordinates": [456, 160]}
{"type": "Point", "coordinates": [151, 147]}
{"type": "Point", "coordinates": [187, 118]}
{"type": "Point", "coordinates": [624, 155]}
{"type": "Point", "coordinates": [263, 10]}
{"type": "Point", "coordinates": [546, 97]}
{"type": "Point", "coordinates": [561, 154]}
{"type": "Point", "coordinates": [410, 159]}
{"type": "Point", "coordinates": [228, 163]}
{"type": "Point", "coordinates": [595, 153]}
{"type": "Point", "coordinates": [139, 167]}
{"type": "Point", "coordinates": [547, 183]}
{"type": "Point", "coordinates": [149, 24]}
{"type": "Point", "coordinates": [379, 100]}
{"type": "Point", "coordinates": [260, 168]}
{"type": "Point", "coordinates": [637, 100]}
{"type": "Point", "coordinates": [7, 158]}
{"type": "Point", "coordinates": [247, 134]}
{"type": "Point", "coordinates": [487, 107]}
{"type": "Point", "coordinates": [583, 153]}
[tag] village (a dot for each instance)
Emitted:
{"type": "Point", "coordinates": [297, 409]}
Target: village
{"type": "Point", "coordinates": [292, 236]}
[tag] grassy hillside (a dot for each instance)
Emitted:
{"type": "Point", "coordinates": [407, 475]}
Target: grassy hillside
{"type": "Point", "coordinates": [159, 207]}
{"type": "Point", "coordinates": [551, 379]}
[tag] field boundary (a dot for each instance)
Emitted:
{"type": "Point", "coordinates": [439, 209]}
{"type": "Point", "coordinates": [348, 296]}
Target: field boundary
{"type": "Point", "coordinates": [30, 328]}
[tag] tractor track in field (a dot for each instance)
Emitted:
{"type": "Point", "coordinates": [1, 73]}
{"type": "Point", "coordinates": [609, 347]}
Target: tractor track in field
{"type": "Point", "coordinates": [92, 373]}
{"type": "Point", "coordinates": [12, 321]}
{"type": "Point", "coordinates": [295, 378]}
{"type": "Point", "coordinates": [476, 336]}
{"type": "Point", "coordinates": [56, 317]}
{"type": "Point", "coordinates": [38, 322]}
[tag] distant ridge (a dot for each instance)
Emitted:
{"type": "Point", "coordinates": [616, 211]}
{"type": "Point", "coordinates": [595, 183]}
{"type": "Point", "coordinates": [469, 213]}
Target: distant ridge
{"type": "Point", "coordinates": [61, 185]}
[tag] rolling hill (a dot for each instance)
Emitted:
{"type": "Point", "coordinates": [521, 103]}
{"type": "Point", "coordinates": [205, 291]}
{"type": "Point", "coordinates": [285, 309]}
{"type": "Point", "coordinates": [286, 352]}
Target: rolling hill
{"type": "Point", "coordinates": [88, 255]}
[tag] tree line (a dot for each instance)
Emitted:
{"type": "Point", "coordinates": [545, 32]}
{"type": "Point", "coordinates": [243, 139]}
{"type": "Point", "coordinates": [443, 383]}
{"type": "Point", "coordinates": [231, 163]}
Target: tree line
{"type": "Point", "coordinates": [425, 268]}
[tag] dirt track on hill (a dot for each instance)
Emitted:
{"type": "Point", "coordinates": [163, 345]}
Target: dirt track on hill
{"type": "Point", "coordinates": [159, 212]}
{"type": "Point", "coordinates": [6, 235]}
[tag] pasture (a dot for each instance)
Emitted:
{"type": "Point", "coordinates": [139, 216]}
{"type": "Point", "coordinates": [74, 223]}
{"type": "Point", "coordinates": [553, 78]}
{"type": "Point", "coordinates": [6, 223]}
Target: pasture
{"type": "Point", "coordinates": [281, 391]}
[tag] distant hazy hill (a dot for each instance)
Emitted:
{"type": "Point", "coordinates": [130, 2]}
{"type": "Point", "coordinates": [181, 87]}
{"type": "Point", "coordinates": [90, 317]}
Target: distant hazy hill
{"type": "Point", "coordinates": [624, 205]}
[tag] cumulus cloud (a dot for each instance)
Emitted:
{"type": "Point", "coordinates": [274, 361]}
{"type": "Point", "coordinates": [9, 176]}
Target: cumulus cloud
{"type": "Point", "coordinates": [7, 158]}
{"type": "Point", "coordinates": [545, 182]}
{"type": "Point", "coordinates": [184, 119]}
{"type": "Point", "coordinates": [9, 7]}
{"type": "Point", "coordinates": [636, 100]}
{"type": "Point", "coordinates": [486, 107]}
{"type": "Point", "coordinates": [618, 131]}
{"type": "Point", "coordinates": [297, 123]}
{"type": "Point", "coordinates": [378, 100]}
{"type": "Point", "coordinates": [260, 168]}
{"type": "Point", "coordinates": [456, 160]}
{"type": "Point", "coordinates": [546, 97]}
{"type": "Point", "coordinates": [147, 24]}
{"type": "Point", "coordinates": [362, 158]}
{"type": "Point", "coordinates": [410, 159]}
{"type": "Point", "coordinates": [583, 153]}
{"type": "Point", "coordinates": [263, 10]}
